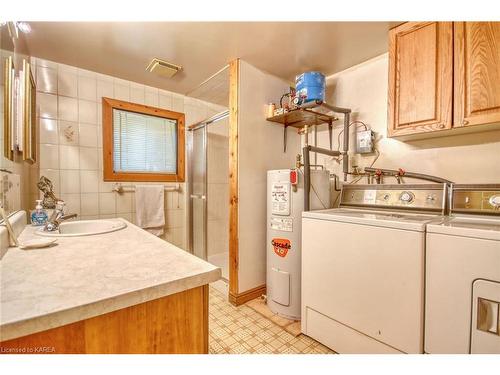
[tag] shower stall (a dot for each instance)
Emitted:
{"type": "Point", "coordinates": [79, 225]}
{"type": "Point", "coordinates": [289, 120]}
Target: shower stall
{"type": "Point", "coordinates": [208, 155]}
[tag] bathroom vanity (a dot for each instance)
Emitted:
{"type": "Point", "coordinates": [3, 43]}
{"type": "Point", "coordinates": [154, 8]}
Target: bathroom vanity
{"type": "Point", "coordinates": [125, 291]}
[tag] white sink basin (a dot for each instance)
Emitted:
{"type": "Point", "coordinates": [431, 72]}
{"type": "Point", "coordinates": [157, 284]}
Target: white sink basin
{"type": "Point", "coordinates": [84, 228]}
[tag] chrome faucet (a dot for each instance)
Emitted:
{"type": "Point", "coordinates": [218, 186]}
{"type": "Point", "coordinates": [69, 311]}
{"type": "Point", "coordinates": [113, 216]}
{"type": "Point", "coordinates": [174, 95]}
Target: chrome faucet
{"type": "Point", "coordinates": [58, 217]}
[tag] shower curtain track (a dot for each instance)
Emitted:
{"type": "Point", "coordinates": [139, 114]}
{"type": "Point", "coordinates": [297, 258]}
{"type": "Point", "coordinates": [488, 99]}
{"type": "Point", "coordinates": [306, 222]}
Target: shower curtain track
{"type": "Point", "coordinates": [208, 121]}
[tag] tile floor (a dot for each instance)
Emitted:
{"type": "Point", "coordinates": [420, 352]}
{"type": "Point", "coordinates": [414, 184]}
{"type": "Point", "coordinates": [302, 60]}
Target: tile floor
{"type": "Point", "coordinates": [242, 330]}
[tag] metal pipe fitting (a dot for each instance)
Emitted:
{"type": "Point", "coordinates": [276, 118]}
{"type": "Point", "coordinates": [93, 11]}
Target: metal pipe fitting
{"type": "Point", "coordinates": [345, 160]}
{"type": "Point", "coordinates": [307, 169]}
{"type": "Point", "coordinates": [419, 176]}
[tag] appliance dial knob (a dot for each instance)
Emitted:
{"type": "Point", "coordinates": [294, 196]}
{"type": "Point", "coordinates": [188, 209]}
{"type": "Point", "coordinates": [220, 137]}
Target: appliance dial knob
{"type": "Point", "coordinates": [406, 197]}
{"type": "Point", "coordinates": [495, 201]}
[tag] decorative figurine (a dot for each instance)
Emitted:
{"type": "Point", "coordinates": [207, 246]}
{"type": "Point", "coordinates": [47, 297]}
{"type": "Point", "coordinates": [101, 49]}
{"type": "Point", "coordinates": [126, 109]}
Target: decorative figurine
{"type": "Point", "coordinates": [47, 188]}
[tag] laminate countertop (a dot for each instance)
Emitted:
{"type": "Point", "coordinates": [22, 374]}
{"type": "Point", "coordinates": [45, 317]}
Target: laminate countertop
{"type": "Point", "coordinates": [83, 277]}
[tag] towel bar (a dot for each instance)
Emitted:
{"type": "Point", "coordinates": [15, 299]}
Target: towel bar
{"type": "Point", "coordinates": [120, 189]}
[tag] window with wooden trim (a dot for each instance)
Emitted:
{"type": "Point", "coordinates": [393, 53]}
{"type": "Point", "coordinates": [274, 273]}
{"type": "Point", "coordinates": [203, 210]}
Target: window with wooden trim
{"type": "Point", "coordinates": [142, 143]}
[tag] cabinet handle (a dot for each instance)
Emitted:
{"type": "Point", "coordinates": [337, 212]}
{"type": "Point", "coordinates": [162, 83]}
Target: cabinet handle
{"type": "Point", "coordinates": [465, 122]}
{"type": "Point", "coordinates": [441, 126]}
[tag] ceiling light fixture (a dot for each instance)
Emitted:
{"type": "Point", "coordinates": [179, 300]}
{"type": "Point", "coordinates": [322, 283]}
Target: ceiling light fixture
{"type": "Point", "coordinates": [23, 27]}
{"type": "Point", "coordinates": [16, 26]}
{"type": "Point", "coordinates": [163, 68]}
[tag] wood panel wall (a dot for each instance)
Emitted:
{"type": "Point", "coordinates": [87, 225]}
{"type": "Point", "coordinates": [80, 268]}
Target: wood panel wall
{"type": "Point", "coordinates": [234, 68]}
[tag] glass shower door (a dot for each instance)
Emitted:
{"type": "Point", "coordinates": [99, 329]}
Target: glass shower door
{"type": "Point", "coordinates": [198, 193]}
{"type": "Point", "coordinates": [208, 150]}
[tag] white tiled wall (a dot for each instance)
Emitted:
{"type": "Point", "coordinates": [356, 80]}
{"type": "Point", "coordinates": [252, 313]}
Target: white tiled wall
{"type": "Point", "coordinates": [70, 112]}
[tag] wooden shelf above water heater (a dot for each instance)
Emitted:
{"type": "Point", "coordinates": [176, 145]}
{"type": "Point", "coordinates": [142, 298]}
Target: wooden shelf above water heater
{"type": "Point", "coordinates": [301, 117]}
{"type": "Point", "coordinates": [310, 114]}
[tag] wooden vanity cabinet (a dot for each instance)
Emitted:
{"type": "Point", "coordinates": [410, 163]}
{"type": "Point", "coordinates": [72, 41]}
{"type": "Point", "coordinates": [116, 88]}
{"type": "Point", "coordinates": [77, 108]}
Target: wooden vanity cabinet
{"type": "Point", "coordinates": [175, 324]}
{"type": "Point", "coordinates": [420, 77]}
{"type": "Point", "coordinates": [477, 73]}
{"type": "Point", "coordinates": [443, 76]}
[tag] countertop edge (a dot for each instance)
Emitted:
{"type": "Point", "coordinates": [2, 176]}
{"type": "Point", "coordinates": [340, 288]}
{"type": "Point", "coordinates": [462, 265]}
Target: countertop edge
{"type": "Point", "coordinates": [10, 331]}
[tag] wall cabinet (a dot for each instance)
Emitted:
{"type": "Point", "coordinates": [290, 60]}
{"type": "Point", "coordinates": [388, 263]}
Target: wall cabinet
{"type": "Point", "coordinates": [420, 77]}
{"type": "Point", "coordinates": [477, 73]}
{"type": "Point", "coordinates": [443, 76]}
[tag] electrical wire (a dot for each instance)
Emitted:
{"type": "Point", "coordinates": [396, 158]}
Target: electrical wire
{"type": "Point", "coordinates": [281, 99]}
{"type": "Point", "coordinates": [336, 199]}
{"type": "Point", "coordinates": [360, 177]}
{"type": "Point", "coordinates": [314, 190]}
{"type": "Point", "coordinates": [358, 123]}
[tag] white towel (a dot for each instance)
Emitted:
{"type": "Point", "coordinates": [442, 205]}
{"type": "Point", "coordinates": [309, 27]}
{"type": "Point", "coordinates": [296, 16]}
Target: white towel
{"type": "Point", "coordinates": [149, 208]}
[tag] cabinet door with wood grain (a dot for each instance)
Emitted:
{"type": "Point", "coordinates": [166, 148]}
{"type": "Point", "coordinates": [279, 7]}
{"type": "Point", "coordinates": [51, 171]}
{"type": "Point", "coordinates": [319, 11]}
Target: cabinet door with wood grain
{"type": "Point", "coordinates": [420, 78]}
{"type": "Point", "coordinates": [477, 73]}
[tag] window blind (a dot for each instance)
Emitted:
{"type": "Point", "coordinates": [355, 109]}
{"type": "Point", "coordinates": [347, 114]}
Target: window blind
{"type": "Point", "coordinates": [144, 143]}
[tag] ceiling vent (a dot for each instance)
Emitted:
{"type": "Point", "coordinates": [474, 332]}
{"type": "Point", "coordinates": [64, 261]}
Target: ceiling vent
{"type": "Point", "coordinates": [163, 68]}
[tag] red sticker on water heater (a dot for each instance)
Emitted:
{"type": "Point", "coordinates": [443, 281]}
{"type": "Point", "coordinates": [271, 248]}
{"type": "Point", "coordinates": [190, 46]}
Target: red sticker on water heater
{"type": "Point", "coordinates": [281, 246]}
{"type": "Point", "coordinates": [293, 177]}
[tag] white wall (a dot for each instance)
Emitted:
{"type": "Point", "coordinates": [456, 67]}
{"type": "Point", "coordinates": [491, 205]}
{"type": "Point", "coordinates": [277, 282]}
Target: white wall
{"type": "Point", "coordinates": [69, 101]}
{"type": "Point", "coordinates": [468, 158]}
{"type": "Point", "coordinates": [260, 149]}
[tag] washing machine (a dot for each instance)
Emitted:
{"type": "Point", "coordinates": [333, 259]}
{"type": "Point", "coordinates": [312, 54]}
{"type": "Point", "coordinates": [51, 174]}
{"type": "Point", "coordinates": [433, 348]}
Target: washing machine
{"type": "Point", "coordinates": [463, 274]}
{"type": "Point", "coordinates": [363, 268]}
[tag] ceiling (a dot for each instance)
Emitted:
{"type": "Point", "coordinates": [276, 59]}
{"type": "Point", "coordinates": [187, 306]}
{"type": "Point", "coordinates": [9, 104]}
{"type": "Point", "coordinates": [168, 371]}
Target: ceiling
{"type": "Point", "coordinates": [124, 49]}
{"type": "Point", "coordinates": [215, 89]}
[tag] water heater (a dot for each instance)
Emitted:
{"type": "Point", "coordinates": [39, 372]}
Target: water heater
{"type": "Point", "coordinates": [285, 203]}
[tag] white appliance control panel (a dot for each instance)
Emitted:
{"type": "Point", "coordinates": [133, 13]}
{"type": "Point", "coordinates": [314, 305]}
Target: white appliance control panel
{"type": "Point", "coordinates": [495, 201]}
{"type": "Point", "coordinates": [478, 199]}
{"type": "Point", "coordinates": [421, 196]}
{"type": "Point", "coordinates": [406, 197]}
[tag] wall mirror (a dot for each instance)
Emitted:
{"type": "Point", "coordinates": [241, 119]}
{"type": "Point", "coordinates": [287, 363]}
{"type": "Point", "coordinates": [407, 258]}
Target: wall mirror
{"type": "Point", "coordinates": [8, 108]}
{"type": "Point", "coordinates": [28, 107]}
{"type": "Point", "coordinates": [17, 119]}
{"type": "Point", "coordinates": [142, 143]}
{"type": "Point", "coordinates": [19, 99]}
